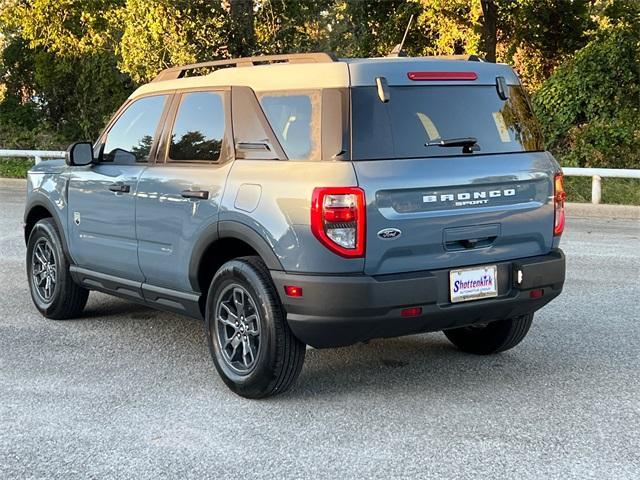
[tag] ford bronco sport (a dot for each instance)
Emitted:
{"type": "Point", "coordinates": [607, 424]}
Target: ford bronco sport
{"type": "Point", "coordinates": [304, 199]}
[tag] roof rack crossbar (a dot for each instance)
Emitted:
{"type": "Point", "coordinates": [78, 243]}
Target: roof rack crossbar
{"type": "Point", "coordinates": [179, 72]}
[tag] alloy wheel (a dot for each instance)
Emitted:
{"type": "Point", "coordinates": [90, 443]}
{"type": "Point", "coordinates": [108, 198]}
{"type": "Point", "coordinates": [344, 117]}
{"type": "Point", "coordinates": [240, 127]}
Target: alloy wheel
{"type": "Point", "coordinates": [44, 273]}
{"type": "Point", "coordinates": [238, 328]}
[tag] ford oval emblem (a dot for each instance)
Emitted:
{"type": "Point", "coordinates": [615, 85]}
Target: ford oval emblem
{"type": "Point", "coordinates": [389, 233]}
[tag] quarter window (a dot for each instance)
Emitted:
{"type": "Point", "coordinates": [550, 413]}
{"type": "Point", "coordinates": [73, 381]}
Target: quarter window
{"type": "Point", "coordinates": [130, 138]}
{"type": "Point", "coordinates": [199, 128]}
{"type": "Point", "coordinates": [295, 119]}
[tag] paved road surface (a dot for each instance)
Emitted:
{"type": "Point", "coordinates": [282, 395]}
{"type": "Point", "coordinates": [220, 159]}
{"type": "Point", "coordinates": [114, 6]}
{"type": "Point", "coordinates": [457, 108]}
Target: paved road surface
{"type": "Point", "coordinates": [126, 392]}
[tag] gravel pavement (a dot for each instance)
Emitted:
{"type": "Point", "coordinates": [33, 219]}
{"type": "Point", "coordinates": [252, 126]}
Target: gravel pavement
{"type": "Point", "coordinates": [128, 392]}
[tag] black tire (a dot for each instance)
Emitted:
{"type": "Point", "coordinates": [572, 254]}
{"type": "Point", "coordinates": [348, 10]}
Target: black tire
{"type": "Point", "coordinates": [65, 299]}
{"type": "Point", "coordinates": [242, 289]}
{"type": "Point", "coordinates": [493, 337]}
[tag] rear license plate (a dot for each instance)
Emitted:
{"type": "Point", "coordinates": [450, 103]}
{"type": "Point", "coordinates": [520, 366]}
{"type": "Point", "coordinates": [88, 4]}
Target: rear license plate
{"type": "Point", "coordinates": [473, 283]}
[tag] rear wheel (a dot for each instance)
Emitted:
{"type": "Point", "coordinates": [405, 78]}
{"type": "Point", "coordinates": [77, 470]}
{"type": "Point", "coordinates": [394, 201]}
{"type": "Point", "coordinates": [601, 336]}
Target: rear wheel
{"type": "Point", "coordinates": [53, 291]}
{"type": "Point", "coordinates": [251, 344]}
{"type": "Point", "coordinates": [493, 337]}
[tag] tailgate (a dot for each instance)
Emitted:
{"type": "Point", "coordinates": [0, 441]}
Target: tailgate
{"type": "Point", "coordinates": [435, 213]}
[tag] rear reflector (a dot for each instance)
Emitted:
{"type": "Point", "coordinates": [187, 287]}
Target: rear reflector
{"type": "Point", "coordinates": [293, 291]}
{"type": "Point", "coordinates": [433, 76]}
{"type": "Point", "coordinates": [411, 312]}
{"type": "Point", "coordinates": [536, 293]}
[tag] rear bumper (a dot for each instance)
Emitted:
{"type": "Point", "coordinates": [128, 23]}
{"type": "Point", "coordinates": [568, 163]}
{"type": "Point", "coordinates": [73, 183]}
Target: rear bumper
{"type": "Point", "coordinates": [343, 310]}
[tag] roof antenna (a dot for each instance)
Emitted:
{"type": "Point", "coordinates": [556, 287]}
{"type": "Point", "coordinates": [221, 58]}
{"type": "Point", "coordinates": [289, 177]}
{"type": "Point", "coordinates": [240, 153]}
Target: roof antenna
{"type": "Point", "coordinates": [397, 50]}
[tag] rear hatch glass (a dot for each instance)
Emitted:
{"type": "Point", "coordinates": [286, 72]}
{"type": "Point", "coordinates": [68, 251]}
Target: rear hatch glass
{"type": "Point", "coordinates": [416, 116]}
{"type": "Point", "coordinates": [447, 208]}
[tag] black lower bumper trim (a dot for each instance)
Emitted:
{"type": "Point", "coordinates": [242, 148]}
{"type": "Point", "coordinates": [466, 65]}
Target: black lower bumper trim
{"type": "Point", "coordinates": [343, 310]}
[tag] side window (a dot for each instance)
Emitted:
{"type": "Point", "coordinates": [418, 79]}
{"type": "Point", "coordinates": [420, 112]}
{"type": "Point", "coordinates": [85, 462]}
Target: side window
{"type": "Point", "coordinates": [130, 138]}
{"type": "Point", "coordinates": [295, 119]}
{"type": "Point", "coordinates": [198, 130]}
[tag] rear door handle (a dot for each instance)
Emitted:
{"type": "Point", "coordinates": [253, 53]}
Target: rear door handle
{"type": "Point", "coordinates": [120, 188]}
{"type": "Point", "coordinates": [195, 194]}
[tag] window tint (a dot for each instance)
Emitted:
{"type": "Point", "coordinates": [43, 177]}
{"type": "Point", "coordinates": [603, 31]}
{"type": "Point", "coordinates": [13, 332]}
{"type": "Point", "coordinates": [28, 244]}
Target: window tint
{"type": "Point", "coordinates": [415, 116]}
{"type": "Point", "coordinates": [199, 128]}
{"type": "Point", "coordinates": [295, 121]}
{"type": "Point", "coordinates": [129, 140]}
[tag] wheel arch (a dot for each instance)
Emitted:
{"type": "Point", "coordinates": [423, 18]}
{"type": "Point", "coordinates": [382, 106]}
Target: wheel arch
{"type": "Point", "coordinates": [221, 243]}
{"type": "Point", "coordinates": [38, 209]}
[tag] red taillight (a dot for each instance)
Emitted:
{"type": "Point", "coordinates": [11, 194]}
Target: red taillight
{"type": "Point", "coordinates": [559, 196]}
{"type": "Point", "coordinates": [292, 291]}
{"type": "Point", "coordinates": [340, 214]}
{"type": "Point", "coordinates": [338, 219]}
{"type": "Point", "coordinates": [433, 76]}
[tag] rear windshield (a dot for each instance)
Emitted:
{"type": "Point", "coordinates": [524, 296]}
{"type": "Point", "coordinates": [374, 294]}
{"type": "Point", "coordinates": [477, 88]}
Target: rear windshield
{"type": "Point", "coordinates": [416, 116]}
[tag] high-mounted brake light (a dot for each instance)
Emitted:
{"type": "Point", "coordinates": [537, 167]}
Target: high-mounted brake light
{"type": "Point", "coordinates": [559, 197]}
{"type": "Point", "coordinates": [434, 76]}
{"type": "Point", "coordinates": [338, 219]}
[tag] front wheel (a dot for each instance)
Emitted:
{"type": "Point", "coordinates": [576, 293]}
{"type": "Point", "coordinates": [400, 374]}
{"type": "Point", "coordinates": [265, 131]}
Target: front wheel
{"type": "Point", "coordinates": [493, 337]}
{"type": "Point", "coordinates": [53, 291]}
{"type": "Point", "coordinates": [251, 344]}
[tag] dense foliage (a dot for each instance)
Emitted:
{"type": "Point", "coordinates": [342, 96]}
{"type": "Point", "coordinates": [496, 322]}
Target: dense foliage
{"type": "Point", "coordinates": [590, 107]}
{"type": "Point", "coordinates": [66, 65]}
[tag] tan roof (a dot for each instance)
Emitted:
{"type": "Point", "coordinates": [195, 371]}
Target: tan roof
{"type": "Point", "coordinates": [320, 70]}
{"type": "Point", "coordinates": [277, 76]}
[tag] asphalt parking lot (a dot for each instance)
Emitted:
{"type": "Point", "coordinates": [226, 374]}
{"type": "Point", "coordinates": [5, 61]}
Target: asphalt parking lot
{"type": "Point", "coordinates": [127, 392]}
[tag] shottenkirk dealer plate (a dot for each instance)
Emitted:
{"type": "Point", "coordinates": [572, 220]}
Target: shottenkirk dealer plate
{"type": "Point", "coordinates": [473, 283]}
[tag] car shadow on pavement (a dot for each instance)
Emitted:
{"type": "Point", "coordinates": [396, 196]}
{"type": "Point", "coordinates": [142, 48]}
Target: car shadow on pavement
{"type": "Point", "coordinates": [425, 363]}
{"type": "Point", "coordinates": [117, 308]}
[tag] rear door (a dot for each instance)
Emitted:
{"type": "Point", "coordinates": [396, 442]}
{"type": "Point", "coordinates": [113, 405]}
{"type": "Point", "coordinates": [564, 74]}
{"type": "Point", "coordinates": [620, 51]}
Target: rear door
{"type": "Point", "coordinates": [482, 197]}
{"type": "Point", "coordinates": [178, 198]}
{"type": "Point", "coordinates": [102, 196]}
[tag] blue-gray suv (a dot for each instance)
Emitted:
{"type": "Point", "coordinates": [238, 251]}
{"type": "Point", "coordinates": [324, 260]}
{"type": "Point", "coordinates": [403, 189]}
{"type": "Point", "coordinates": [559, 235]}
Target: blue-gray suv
{"type": "Point", "coordinates": [303, 199]}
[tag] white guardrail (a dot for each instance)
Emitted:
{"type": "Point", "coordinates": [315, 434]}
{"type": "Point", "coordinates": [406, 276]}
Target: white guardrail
{"type": "Point", "coordinates": [37, 155]}
{"type": "Point", "coordinates": [596, 174]}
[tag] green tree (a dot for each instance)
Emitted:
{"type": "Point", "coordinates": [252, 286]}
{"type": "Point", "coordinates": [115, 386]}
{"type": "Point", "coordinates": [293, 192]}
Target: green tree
{"type": "Point", "coordinates": [590, 107]}
{"type": "Point", "coordinates": [164, 33]}
{"type": "Point", "coordinates": [372, 28]}
{"type": "Point", "coordinates": [64, 70]}
{"type": "Point", "coordinates": [240, 31]}
{"type": "Point", "coordinates": [540, 34]}
{"type": "Point", "coordinates": [286, 26]}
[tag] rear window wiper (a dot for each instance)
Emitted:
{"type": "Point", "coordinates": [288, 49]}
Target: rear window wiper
{"type": "Point", "coordinates": [468, 144]}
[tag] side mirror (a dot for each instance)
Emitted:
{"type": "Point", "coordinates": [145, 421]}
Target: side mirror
{"type": "Point", "coordinates": [79, 154]}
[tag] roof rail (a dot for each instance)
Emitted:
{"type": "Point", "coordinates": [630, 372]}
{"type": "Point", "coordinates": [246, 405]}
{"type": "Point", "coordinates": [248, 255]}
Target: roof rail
{"type": "Point", "coordinates": [179, 72]}
{"type": "Point", "coordinates": [466, 58]}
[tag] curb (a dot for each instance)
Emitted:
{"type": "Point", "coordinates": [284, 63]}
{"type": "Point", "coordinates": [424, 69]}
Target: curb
{"type": "Point", "coordinates": [589, 210]}
{"type": "Point", "coordinates": [13, 182]}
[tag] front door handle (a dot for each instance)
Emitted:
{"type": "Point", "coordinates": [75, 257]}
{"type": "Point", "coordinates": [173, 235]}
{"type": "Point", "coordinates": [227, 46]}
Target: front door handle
{"type": "Point", "coordinates": [195, 194]}
{"type": "Point", "coordinates": [120, 188]}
